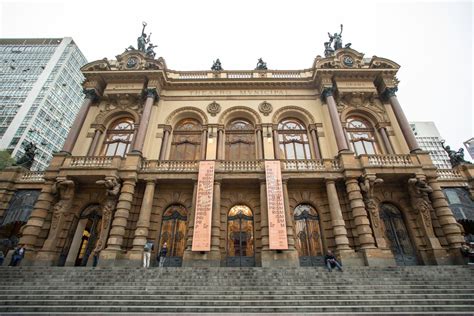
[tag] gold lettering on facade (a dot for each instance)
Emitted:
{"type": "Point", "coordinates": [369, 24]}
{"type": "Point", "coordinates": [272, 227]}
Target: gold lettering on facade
{"type": "Point", "coordinates": [276, 207]}
{"type": "Point", "coordinates": [203, 212]}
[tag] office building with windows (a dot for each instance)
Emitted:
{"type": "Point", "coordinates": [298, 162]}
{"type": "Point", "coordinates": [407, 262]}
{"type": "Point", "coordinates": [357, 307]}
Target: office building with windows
{"type": "Point", "coordinates": [429, 139]}
{"type": "Point", "coordinates": [40, 94]}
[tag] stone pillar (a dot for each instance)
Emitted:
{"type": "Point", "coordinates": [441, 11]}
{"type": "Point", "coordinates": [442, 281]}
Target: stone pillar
{"type": "Point", "coordinates": [164, 144]}
{"type": "Point", "coordinates": [359, 213]}
{"type": "Point", "coordinates": [189, 257]}
{"type": "Point", "coordinates": [143, 223]}
{"type": "Point", "coordinates": [314, 140]}
{"type": "Point", "coordinates": [35, 222]}
{"type": "Point", "coordinates": [446, 218]}
{"type": "Point", "coordinates": [203, 144]}
{"type": "Point", "coordinates": [214, 255]}
{"type": "Point", "coordinates": [145, 119]}
{"type": "Point", "coordinates": [109, 255]}
{"type": "Point", "coordinates": [220, 144]}
{"type": "Point", "coordinates": [337, 220]}
{"type": "Point", "coordinates": [386, 140]}
{"type": "Point", "coordinates": [335, 121]}
{"type": "Point", "coordinates": [90, 97]}
{"type": "Point", "coordinates": [264, 217]}
{"type": "Point", "coordinates": [401, 119]}
{"type": "Point", "coordinates": [259, 144]}
{"type": "Point", "coordinates": [95, 141]}
{"type": "Point", "coordinates": [276, 144]}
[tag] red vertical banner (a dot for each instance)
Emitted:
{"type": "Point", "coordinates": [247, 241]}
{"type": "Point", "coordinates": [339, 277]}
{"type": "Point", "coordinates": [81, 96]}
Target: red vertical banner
{"type": "Point", "coordinates": [203, 208]}
{"type": "Point", "coordinates": [276, 206]}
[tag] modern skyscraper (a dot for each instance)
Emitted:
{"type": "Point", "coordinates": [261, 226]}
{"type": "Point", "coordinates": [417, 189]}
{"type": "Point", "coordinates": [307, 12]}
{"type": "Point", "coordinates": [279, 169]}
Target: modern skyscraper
{"type": "Point", "coordinates": [429, 139]}
{"type": "Point", "coordinates": [40, 94]}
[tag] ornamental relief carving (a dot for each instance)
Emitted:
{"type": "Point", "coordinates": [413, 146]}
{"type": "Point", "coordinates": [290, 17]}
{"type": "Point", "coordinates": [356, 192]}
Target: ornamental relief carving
{"type": "Point", "coordinates": [265, 108]}
{"type": "Point", "coordinates": [213, 108]}
{"type": "Point", "coordinates": [364, 101]}
{"type": "Point", "coordinates": [126, 102]}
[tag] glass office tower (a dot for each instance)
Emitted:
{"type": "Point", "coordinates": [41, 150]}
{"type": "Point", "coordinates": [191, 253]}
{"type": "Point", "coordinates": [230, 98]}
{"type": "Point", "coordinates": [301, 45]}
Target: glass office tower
{"type": "Point", "coordinates": [40, 94]}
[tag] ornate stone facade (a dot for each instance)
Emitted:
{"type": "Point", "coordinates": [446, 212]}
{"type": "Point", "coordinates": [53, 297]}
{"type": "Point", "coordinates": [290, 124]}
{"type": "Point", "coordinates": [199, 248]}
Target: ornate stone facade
{"type": "Point", "coordinates": [353, 178]}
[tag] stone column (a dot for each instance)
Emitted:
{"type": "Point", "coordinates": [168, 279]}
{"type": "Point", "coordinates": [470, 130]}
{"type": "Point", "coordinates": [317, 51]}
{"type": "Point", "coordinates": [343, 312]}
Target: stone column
{"type": "Point", "coordinates": [214, 255]}
{"type": "Point", "coordinates": [143, 223]}
{"type": "Point", "coordinates": [35, 222]}
{"type": "Point", "coordinates": [386, 140]}
{"type": "Point", "coordinates": [220, 144]}
{"type": "Point", "coordinates": [276, 144]}
{"type": "Point", "coordinates": [288, 217]}
{"type": "Point", "coordinates": [164, 144]}
{"type": "Point", "coordinates": [445, 217]}
{"type": "Point", "coordinates": [264, 216]}
{"type": "Point", "coordinates": [314, 139]}
{"type": "Point", "coordinates": [401, 119]}
{"type": "Point", "coordinates": [364, 231]}
{"type": "Point", "coordinates": [117, 232]}
{"type": "Point", "coordinates": [90, 97]}
{"type": "Point", "coordinates": [92, 149]}
{"type": "Point", "coordinates": [338, 224]}
{"type": "Point", "coordinates": [188, 257]}
{"type": "Point", "coordinates": [145, 119]}
{"type": "Point", "coordinates": [259, 144]}
{"type": "Point", "coordinates": [203, 144]}
{"type": "Point", "coordinates": [335, 121]}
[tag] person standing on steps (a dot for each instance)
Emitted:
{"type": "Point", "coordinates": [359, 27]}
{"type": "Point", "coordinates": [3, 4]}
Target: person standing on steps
{"type": "Point", "coordinates": [147, 254]}
{"type": "Point", "coordinates": [2, 257]}
{"type": "Point", "coordinates": [332, 262]}
{"type": "Point", "coordinates": [162, 255]}
{"type": "Point", "coordinates": [18, 254]}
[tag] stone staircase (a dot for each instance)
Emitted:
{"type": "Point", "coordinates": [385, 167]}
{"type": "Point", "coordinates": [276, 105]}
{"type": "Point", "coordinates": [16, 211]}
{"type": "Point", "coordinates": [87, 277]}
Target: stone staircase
{"type": "Point", "coordinates": [357, 290]}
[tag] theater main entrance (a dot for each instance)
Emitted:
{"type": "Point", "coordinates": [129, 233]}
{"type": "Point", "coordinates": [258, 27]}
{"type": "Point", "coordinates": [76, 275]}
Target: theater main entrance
{"type": "Point", "coordinates": [397, 235]}
{"type": "Point", "coordinates": [308, 236]}
{"type": "Point", "coordinates": [173, 232]}
{"type": "Point", "coordinates": [240, 237]}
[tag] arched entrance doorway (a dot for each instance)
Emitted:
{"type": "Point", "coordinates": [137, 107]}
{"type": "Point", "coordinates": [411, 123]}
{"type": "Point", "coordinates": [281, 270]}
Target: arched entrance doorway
{"type": "Point", "coordinates": [173, 232]}
{"type": "Point", "coordinates": [83, 237]}
{"type": "Point", "coordinates": [240, 237]}
{"type": "Point", "coordinates": [397, 235]}
{"type": "Point", "coordinates": [308, 241]}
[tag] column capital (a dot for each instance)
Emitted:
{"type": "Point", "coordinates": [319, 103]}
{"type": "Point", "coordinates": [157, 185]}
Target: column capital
{"type": "Point", "coordinates": [151, 93]}
{"type": "Point", "coordinates": [389, 92]}
{"type": "Point", "coordinates": [90, 94]}
{"type": "Point", "coordinates": [327, 92]}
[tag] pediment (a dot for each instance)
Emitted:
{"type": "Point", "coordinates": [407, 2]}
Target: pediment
{"type": "Point", "coordinates": [384, 63]}
{"type": "Point", "coordinates": [342, 58]}
{"type": "Point", "coordinates": [102, 64]}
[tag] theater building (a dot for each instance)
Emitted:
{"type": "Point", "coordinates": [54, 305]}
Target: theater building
{"type": "Point", "coordinates": [240, 168]}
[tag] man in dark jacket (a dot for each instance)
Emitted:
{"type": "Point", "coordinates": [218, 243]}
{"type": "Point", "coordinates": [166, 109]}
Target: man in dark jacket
{"type": "Point", "coordinates": [18, 254]}
{"type": "Point", "coordinates": [163, 252]}
{"type": "Point", "coordinates": [331, 261]}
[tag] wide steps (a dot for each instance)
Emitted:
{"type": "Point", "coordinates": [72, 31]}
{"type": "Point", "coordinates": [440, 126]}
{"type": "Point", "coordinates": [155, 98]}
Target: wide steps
{"type": "Point", "coordinates": [357, 290]}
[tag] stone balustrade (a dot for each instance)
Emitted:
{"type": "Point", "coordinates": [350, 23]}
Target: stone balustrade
{"type": "Point", "coordinates": [169, 166]}
{"type": "Point", "coordinates": [32, 176]}
{"type": "Point", "coordinates": [303, 165]}
{"type": "Point", "coordinates": [249, 74]}
{"type": "Point", "coordinates": [239, 166]}
{"type": "Point", "coordinates": [85, 162]}
{"type": "Point", "coordinates": [389, 160]}
{"type": "Point", "coordinates": [449, 174]}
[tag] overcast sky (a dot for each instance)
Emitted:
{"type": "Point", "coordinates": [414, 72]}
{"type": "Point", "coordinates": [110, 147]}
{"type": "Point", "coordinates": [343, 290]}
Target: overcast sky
{"type": "Point", "coordinates": [432, 41]}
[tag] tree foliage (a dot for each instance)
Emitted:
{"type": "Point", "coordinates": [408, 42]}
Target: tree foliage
{"type": "Point", "coordinates": [5, 159]}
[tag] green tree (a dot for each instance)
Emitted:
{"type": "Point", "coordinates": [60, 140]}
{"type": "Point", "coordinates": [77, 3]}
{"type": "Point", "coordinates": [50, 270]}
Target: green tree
{"type": "Point", "coordinates": [5, 159]}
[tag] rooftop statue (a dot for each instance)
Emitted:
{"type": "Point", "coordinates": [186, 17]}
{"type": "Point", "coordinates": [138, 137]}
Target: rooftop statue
{"type": "Point", "coordinates": [261, 65]}
{"type": "Point", "coordinates": [28, 157]}
{"type": "Point", "coordinates": [216, 65]}
{"type": "Point", "coordinates": [455, 157]}
{"type": "Point", "coordinates": [337, 39]}
{"type": "Point", "coordinates": [149, 50]}
{"type": "Point", "coordinates": [142, 39]}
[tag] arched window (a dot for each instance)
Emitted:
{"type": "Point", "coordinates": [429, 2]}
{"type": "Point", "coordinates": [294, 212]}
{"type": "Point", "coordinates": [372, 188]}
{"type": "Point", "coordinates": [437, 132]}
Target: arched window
{"type": "Point", "coordinates": [293, 139]}
{"type": "Point", "coordinates": [240, 140]}
{"type": "Point", "coordinates": [361, 136]}
{"type": "Point", "coordinates": [186, 144]}
{"type": "Point", "coordinates": [118, 138]}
